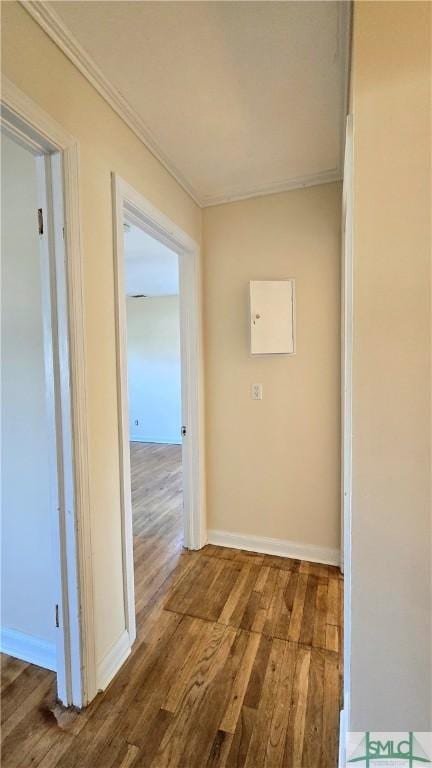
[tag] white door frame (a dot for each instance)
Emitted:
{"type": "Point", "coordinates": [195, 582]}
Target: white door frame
{"type": "Point", "coordinates": [346, 337]}
{"type": "Point", "coordinates": [129, 205]}
{"type": "Point", "coordinates": [22, 119]}
{"type": "Point", "coordinates": [347, 300]}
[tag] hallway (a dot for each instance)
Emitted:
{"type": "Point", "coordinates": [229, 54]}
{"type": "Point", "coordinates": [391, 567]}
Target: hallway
{"type": "Point", "coordinates": [237, 660]}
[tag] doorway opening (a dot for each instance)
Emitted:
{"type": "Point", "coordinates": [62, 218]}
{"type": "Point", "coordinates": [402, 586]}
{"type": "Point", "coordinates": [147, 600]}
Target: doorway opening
{"type": "Point", "coordinates": [37, 466]}
{"type": "Point", "coordinates": [46, 553]}
{"type": "Point", "coordinates": [154, 397]}
{"type": "Point", "coordinates": [160, 391]}
{"type": "Point", "coordinates": [30, 471]}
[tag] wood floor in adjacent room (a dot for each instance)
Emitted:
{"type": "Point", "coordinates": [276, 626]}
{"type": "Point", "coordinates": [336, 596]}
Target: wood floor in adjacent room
{"type": "Point", "coordinates": [237, 661]}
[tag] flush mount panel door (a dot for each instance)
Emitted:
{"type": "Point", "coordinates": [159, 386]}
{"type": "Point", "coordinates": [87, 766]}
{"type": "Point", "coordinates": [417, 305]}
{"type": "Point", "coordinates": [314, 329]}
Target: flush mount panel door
{"type": "Point", "coordinates": [272, 317]}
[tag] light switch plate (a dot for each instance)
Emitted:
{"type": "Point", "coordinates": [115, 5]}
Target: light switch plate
{"type": "Point", "coordinates": [257, 392]}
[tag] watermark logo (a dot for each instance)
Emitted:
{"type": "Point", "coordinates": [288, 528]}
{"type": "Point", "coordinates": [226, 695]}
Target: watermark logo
{"type": "Point", "coordinates": [399, 750]}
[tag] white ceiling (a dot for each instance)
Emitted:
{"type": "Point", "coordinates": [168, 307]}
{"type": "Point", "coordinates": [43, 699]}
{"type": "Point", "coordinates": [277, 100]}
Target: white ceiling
{"type": "Point", "coordinates": [235, 98]}
{"type": "Point", "coordinates": [150, 267]}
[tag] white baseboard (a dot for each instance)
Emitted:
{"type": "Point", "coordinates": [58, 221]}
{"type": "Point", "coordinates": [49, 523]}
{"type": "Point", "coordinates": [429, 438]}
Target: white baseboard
{"type": "Point", "coordinates": [28, 648]}
{"type": "Point", "coordinates": [151, 439]}
{"type": "Point", "coordinates": [112, 661]}
{"type": "Point", "coordinates": [267, 546]}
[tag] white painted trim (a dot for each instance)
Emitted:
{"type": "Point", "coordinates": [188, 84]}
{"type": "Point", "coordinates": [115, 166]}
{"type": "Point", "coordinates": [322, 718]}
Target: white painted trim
{"type": "Point", "coordinates": [53, 25]}
{"type": "Point", "coordinates": [113, 660]}
{"type": "Point", "coordinates": [28, 648]}
{"type": "Point", "coordinates": [342, 740]}
{"type": "Point", "coordinates": [20, 114]}
{"type": "Point", "coordinates": [167, 440]}
{"type": "Point", "coordinates": [266, 546]}
{"type": "Point", "coordinates": [48, 182]}
{"type": "Point", "coordinates": [129, 204]}
{"type": "Point", "coordinates": [123, 412]}
{"type": "Point", "coordinates": [347, 308]}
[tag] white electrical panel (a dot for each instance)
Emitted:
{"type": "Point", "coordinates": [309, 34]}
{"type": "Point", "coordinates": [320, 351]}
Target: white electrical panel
{"type": "Point", "coordinates": [272, 319]}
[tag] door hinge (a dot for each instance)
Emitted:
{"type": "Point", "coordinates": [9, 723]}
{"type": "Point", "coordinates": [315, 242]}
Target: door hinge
{"type": "Point", "coordinates": [183, 431]}
{"type": "Point", "coordinates": [57, 622]}
{"type": "Point", "coordinates": [40, 221]}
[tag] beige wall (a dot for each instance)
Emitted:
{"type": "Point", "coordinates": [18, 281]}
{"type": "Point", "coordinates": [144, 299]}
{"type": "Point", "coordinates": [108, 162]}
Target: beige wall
{"type": "Point", "coordinates": [38, 67]}
{"type": "Point", "coordinates": [391, 535]}
{"type": "Point", "coordinates": [273, 465]}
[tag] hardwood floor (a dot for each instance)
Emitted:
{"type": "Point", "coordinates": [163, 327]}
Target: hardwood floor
{"type": "Point", "coordinates": [237, 661]}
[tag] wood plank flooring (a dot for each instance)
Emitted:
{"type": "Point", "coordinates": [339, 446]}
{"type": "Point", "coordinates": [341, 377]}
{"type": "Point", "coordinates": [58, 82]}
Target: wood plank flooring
{"type": "Point", "coordinates": [237, 662]}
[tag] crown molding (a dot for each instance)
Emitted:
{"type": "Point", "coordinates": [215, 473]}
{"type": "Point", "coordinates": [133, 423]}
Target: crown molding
{"type": "Point", "coordinates": [51, 23]}
{"type": "Point", "coordinates": [54, 27]}
{"type": "Point", "coordinates": [286, 185]}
